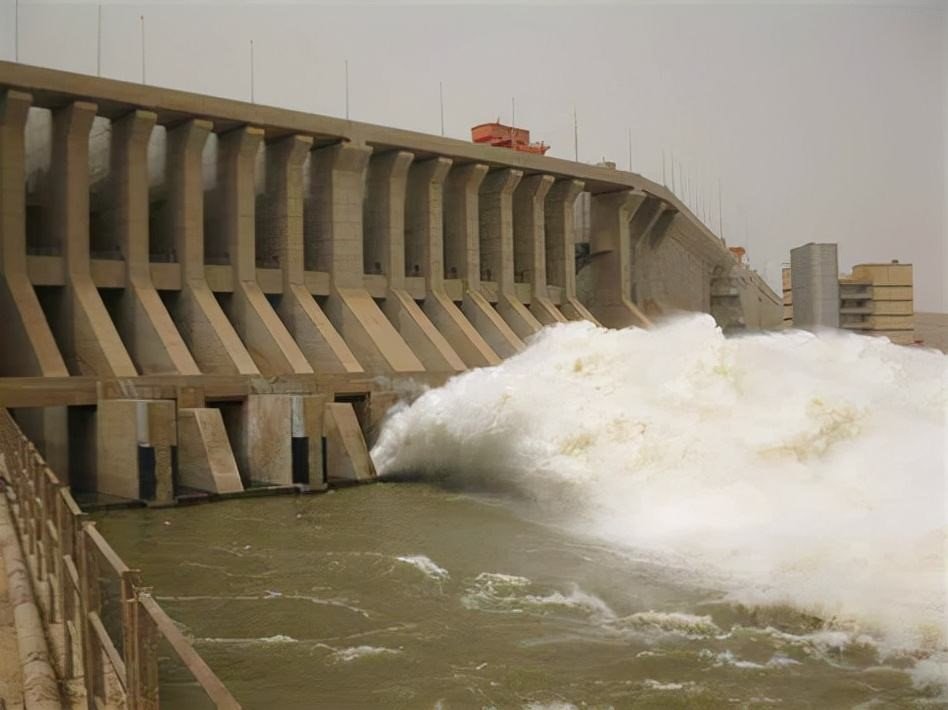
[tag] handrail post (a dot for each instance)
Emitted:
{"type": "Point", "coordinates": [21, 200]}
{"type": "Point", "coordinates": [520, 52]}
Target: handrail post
{"type": "Point", "coordinates": [66, 592]}
{"type": "Point", "coordinates": [146, 657]}
{"type": "Point", "coordinates": [130, 582]}
{"type": "Point", "coordinates": [89, 602]}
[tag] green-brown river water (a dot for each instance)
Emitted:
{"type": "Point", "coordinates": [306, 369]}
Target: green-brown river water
{"type": "Point", "coordinates": [409, 596]}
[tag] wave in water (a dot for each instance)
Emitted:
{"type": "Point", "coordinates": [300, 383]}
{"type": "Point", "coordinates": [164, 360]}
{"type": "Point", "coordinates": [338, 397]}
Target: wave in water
{"type": "Point", "coordinates": [793, 468]}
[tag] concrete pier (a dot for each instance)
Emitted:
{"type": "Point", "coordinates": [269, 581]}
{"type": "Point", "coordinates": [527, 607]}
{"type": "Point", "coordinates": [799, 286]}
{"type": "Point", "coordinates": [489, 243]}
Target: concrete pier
{"type": "Point", "coordinates": [212, 296]}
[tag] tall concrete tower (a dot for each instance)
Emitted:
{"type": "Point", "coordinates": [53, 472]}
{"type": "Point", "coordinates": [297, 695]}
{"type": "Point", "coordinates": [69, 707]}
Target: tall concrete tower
{"type": "Point", "coordinates": [815, 270]}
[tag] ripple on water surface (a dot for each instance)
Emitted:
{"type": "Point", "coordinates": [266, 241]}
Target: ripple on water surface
{"type": "Point", "coordinates": [408, 596]}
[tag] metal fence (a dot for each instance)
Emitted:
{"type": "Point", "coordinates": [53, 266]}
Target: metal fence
{"type": "Point", "coordinates": [72, 569]}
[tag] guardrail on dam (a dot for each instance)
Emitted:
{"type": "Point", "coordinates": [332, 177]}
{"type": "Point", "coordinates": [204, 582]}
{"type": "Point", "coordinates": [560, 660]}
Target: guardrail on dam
{"type": "Point", "coordinates": [199, 295]}
{"type": "Point", "coordinates": [75, 575]}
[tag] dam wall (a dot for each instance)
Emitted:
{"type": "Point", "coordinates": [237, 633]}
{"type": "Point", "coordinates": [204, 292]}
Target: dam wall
{"type": "Point", "coordinates": [202, 296]}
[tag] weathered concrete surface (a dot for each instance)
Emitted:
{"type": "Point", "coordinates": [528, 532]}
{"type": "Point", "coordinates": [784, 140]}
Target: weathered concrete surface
{"type": "Point", "coordinates": [334, 244]}
{"type": "Point", "coordinates": [153, 341]}
{"type": "Point", "coordinates": [210, 336]}
{"type": "Point", "coordinates": [530, 245]}
{"type": "Point", "coordinates": [462, 257]}
{"type": "Point", "coordinates": [270, 344]}
{"type": "Point", "coordinates": [497, 248]}
{"type": "Point", "coordinates": [610, 247]}
{"type": "Point", "coordinates": [424, 232]}
{"type": "Point", "coordinates": [124, 428]}
{"type": "Point", "coordinates": [87, 335]}
{"type": "Point", "coordinates": [347, 457]}
{"type": "Point", "coordinates": [281, 231]}
{"type": "Point", "coordinates": [205, 459]}
{"type": "Point", "coordinates": [385, 206]}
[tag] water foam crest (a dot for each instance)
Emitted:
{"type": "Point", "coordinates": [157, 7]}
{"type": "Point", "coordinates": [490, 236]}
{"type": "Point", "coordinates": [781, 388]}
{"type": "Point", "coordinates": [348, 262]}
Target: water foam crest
{"type": "Point", "coordinates": [802, 469]}
{"type": "Point", "coordinates": [426, 566]}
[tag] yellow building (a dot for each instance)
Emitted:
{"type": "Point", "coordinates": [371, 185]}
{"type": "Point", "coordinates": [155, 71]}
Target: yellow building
{"type": "Point", "coordinates": [875, 299]}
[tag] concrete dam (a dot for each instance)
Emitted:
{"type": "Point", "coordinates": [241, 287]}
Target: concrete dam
{"type": "Point", "coordinates": [206, 299]}
{"type": "Point", "coordinates": [200, 295]}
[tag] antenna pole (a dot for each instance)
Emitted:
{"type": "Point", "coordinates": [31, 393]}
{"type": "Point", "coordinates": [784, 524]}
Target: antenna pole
{"type": "Point", "coordinates": [575, 136]}
{"type": "Point", "coordinates": [720, 211]}
{"type": "Point", "coordinates": [664, 180]}
{"type": "Point", "coordinates": [513, 111]}
{"type": "Point", "coordinates": [251, 72]}
{"type": "Point", "coordinates": [16, 31]}
{"type": "Point", "coordinates": [142, 18]}
{"type": "Point", "coordinates": [630, 150]}
{"type": "Point", "coordinates": [347, 89]}
{"type": "Point", "coordinates": [98, 42]}
{"type": "Point", "coordinates": [441, 100]}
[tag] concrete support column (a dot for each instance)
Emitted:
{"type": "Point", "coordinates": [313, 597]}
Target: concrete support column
{"type": "Point", "coordinates": [388, 175]}
{"type": "Point", "coordinates": [153, 341]}
{"type": "Point", "coordinates": [90, 340]}
{"type": "Point", "coordinates": [29, 349]}
{"type": "Point", "coordinates": [205, 458]}
{"type": "Point", "coordinates": [273, 348]}
{"type": "Point", "coordinates": [497, 248]}
{"type": "Point", "coordinates": [310, 328]}
{"type": "Point", "coordinates": [279, 439]}
{"type": "Point", "coordinates": [134, 440]}
{"type": "Point", "coordinates": [647, 229]}
{"type": "Point", "coordinates": [425, 233]}
{"type": "Point", "coordinates": [530, 245]}
{"type": "Point", "coordinates": [561, 246]}
{"type": "Point", "coordinates": [334, 244]}
{"type": "Point", "coordinates": [347, 456]}
{"type": "Point", "coordinates": [386, 251]}
{"type": "Point", "coordinates": [462, 256]}
{"type": "Point", "coordinates": [210, 336]}
{"type": "Point", "coordinates": [610, 246]}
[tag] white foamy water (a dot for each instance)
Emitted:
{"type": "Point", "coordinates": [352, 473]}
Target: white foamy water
{"type": "Point", "coordinates": [426, 566]}
{"type": "Point", "coordinates": [786, 468]}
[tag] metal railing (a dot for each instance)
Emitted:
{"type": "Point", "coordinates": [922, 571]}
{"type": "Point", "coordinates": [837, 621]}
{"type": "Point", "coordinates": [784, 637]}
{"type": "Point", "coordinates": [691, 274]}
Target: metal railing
{"type": "Point", "coordinates": [71, 565]}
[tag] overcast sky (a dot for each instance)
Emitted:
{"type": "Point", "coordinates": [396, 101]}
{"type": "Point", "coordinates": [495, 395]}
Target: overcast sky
{"type": "Point", "coordinates": [822, 122]}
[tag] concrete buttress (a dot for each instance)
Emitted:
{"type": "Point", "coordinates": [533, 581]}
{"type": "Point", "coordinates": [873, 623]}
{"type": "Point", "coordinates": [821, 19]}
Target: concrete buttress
{"type": "Point", "coordinates": [282, 232]}
{"type": "Point", "coordinates": [152, 339]}
{"type": "Point", "coordinates": [210, 336]}
{"type": "Point", "coordinates": [88, 337]}
{"type": "Point", "coordinates": [611, 251]}
{"type": "Point", "coordinates": [385, 213]}
{"type": "Point", "coordinates": [497, 248]}
{"type": "Point", "coordinates": [270, 344]}
{"type": "Point", "coordinates": [530, 245]}
{"type": "Point", "coordinates": [462, 256]}
{"type": "Point", "coordinates": [561, 247]}
{"type": "Point", "coordinates": [334, 243]}
{"type": "Point", "coordinates": [425, 238]}
{"type": "Point", "coordinates": [29, 347]}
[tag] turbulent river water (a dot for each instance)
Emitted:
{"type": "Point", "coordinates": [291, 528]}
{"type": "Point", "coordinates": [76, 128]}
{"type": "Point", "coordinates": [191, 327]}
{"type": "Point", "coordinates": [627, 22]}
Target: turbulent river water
{"type": "Point", "coordinates": [661, 518]}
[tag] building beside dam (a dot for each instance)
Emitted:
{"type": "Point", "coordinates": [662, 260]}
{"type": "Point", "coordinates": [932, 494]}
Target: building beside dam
{"type": "Point", "coordinates": [875, 299]}
{"type": "Point", "coordinates": [201, 295]}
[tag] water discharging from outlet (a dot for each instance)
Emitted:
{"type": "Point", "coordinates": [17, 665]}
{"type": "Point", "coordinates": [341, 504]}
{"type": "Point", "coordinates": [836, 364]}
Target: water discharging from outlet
{"type": "Point", "coordinates": [788, 469]}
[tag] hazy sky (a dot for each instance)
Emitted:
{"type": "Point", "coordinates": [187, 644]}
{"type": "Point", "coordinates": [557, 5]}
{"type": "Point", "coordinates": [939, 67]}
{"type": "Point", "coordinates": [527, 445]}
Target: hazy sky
{"type": "Point", "coordinates": [823, 122]}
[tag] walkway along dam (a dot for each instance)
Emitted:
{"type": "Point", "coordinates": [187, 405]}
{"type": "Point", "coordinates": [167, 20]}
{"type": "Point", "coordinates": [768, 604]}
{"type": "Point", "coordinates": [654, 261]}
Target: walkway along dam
{"type": "Point", "coordinates": [201, 296]}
